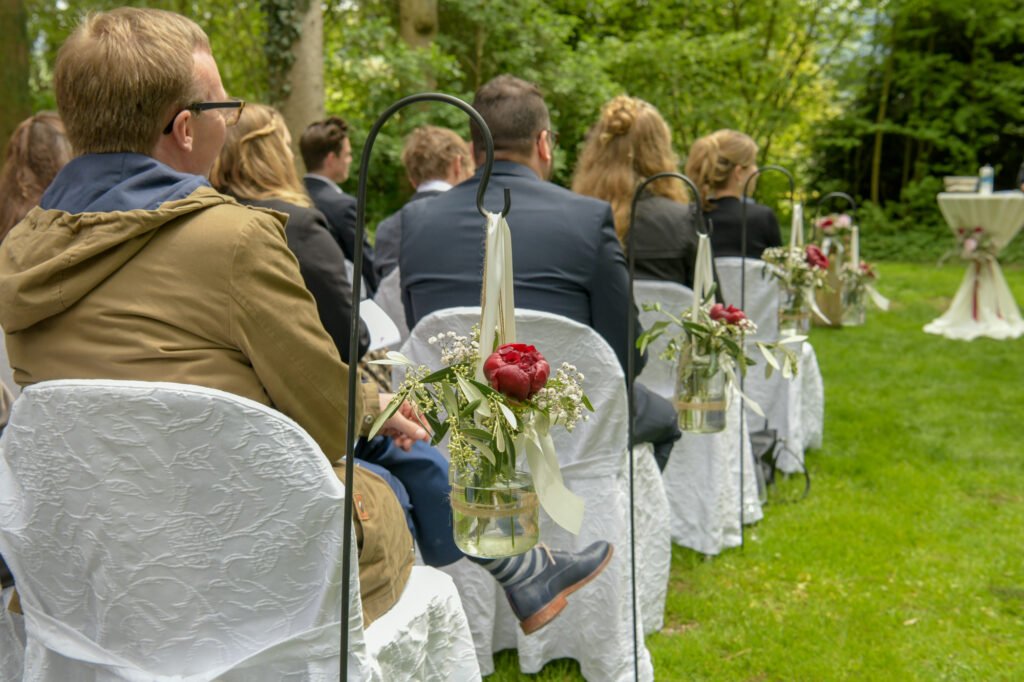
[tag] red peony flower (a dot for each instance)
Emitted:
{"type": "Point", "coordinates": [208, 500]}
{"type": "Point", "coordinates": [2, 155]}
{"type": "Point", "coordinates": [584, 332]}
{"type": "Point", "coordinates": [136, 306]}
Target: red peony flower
{"type": "Point", "coordinates": [734, 315]}
{"type": "Point", "coordinates": [517, 370]}
{"type": "Point", "coordinates": [816, 258]}
{"type": "Point", "coordinates": [718, 312]}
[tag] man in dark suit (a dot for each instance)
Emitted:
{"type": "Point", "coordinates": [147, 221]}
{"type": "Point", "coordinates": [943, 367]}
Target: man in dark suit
{"type": "Point", "coordinates": [567, 258]}
{"type": "Point", "coordinates": [435, 160]}
{"type": "Point", "coordinates": [327, 153]}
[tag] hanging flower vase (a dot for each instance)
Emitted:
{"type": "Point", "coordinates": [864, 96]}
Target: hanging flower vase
{"type": "Point", "coordinates": [494, 509]}
{"type": "Point", "coordinates": [794, 312]}
{"type": "Point", "coordinates": [700, 395]}
{"type": "Point", "coordinates": [853, 303]}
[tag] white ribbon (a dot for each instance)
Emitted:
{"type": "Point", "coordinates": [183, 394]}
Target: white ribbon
{"type": "Point", "coordinates": [703, 279]}
{"type": "Point", "coordinates": [796, 233]}
{"type": "Point", "coordinates": [498, 322]}
{"type": "Point", "coordinates": [881, 301]}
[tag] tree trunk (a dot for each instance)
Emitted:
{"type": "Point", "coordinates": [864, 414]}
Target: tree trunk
{"type": "Point", "coordinates": [303, 101]}
{"type": "Point", "coordinates": [417, 22]}
{"type": "Point", "coordinates": [883, 102]}
{"type": "Point", "coordinates": [14, 76]}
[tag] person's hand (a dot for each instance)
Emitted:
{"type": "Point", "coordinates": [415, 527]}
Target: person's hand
{"type": "Point", "coordinates": [405, 426]}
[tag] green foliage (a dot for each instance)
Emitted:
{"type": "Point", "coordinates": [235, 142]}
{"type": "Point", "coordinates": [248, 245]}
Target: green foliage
{"type": "Point", "coordinates": [283, 22]}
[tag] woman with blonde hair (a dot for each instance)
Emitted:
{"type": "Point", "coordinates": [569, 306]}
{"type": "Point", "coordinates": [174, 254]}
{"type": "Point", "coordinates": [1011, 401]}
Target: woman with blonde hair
{"type": "Point", "coordinates": [720, 164]}
{"type": "Point", "coordinates": [631, 142]}
{"type": "Point", "coordinates": [257, 167]}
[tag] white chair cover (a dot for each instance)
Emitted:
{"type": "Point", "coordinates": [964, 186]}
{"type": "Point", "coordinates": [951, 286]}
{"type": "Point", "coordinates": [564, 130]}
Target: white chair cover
{"type": "Point", "coordinates": [12, 639]}
{"type": "Point", "coordinates": [162, 531]}
{"type": "Point", "coordinates": [389, 298]}
{"type": "Point", "coordinates": [702, 477]}
{"type": "Point", "coordinates": [796, 409]}
{"type": "Point", "coordinates": [596, 627]}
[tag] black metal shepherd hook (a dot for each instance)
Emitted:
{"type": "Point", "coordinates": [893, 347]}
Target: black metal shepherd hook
{"type": "Point", "coordinates": [364, 165]}
{"type": "Point", "coordinates": [743, 296]}
{"type": "Point", "coordinates": [703, 227]}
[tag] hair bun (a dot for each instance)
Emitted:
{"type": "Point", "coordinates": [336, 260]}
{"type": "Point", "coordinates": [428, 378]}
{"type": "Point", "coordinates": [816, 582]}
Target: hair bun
{"type": "Point", "coordinates": [620, 115]}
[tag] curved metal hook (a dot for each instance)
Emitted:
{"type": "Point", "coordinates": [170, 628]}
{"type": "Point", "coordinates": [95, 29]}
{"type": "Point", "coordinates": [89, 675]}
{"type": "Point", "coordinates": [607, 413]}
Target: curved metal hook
{"type": "Point", "coordinates": [364, 165]}
{"type": "Point", "coordinates": [743, 208]}
{"type": "Point", "coordinates": [836, 195]}
{"type": "Point", "coordinates": [703, 225]}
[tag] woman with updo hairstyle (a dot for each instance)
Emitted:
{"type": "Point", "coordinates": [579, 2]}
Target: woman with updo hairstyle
{"type": "Point", "coordinates": [631, 142]}
{"type": "Point", "coordinates": [720, 164]}
{"type": "Point", "coordinates": [257, 167]}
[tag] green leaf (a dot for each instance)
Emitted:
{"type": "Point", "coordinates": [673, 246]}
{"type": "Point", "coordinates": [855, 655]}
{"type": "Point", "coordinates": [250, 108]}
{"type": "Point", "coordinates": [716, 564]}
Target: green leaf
{"type": "Point", "coordinates": [509, 415]}
{"type": "Point", "coordinates": [439, 433]}
{"type": "Point", "coordinates": [386, 414]}
{"type": "Point", "coordinates": [440, 375]}
{"type": "Point", "coordinates": [470, 408]}
{"type": "Point", "coordinates": [586, 402]}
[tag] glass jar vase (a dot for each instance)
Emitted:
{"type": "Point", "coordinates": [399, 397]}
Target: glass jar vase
{"type": "Point", "coordinates": [495, 512]}
{"type": "Point", "coordinates": [853, 303]}
{"type": "Point", "coordinates": [794, 312]}
{"type": "Point", "coordinates": [700, 395]}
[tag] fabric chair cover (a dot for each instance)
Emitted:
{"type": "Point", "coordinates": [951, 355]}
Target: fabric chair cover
{"type": "Point", "coordinates": [12, 639]}
{"type": "Point", "coordinates": [795, 408]}
{"type": "Point", "coordinates": [702, 477]}
{"type": "Point", "coordinates": [596, 627]}
{"type": "Point", "coordinates": [161, 531]}
{"type": "Point", "coordinates": [389, 298]}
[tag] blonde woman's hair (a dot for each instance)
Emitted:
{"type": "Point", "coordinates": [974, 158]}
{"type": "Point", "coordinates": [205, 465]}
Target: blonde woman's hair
{"type": "Point", "coordinates": [36, 152]}
{"type": "Point", "coordinates": [713, 157]}
{"type": "Point", "coordinates": [122, 74]}
{"type": "Point", "coordinates": [255, 162]}
{"type": "Point", "coordinates": [630, 142]}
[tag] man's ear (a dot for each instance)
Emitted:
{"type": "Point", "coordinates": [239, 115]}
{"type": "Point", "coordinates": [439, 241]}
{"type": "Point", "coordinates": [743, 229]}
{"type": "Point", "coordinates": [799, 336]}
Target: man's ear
{"type": "Point", "coordinates": [543, 146]}
{"type": "Point", "coordinates": [181, 132]}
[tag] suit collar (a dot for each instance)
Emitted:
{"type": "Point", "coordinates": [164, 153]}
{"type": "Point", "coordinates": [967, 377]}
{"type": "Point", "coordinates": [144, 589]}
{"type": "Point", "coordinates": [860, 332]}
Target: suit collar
{"type": "Point", "coordinates": [508, 168]}
{"type": "Point", "coordinates": [325, 180]}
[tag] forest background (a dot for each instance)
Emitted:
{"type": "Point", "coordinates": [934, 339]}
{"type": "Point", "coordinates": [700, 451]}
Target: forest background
{"type": "Point", "coordinates": [876, 98]}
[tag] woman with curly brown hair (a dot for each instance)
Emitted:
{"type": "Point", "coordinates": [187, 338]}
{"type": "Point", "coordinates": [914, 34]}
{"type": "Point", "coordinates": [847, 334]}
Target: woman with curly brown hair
{"type": "Point", "coordinates": [36, 151]}
{"type": "Point", "coordinates": [631, 142]}
{"type": "Point", "coordinates": [720, 164]}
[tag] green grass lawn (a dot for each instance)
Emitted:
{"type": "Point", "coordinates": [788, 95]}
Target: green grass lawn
{"type": "Point", "coordinates": [907, 560]}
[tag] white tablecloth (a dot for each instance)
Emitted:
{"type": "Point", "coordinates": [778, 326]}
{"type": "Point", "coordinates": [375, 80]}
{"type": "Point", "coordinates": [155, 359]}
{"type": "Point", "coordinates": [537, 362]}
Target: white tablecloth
{"type": "Point", "coordinates": [984, 305]}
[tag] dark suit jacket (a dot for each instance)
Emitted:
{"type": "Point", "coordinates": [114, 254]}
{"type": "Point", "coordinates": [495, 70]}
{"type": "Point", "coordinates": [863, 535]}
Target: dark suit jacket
{"type": "Point", "coordinates": [664, 240]}
{"type": "Point", "coordinates": [727, 220]}
{"type": "Point", "coordinates": [340, 211]}
{"type": "Point", "coordinates": [567, 257]}
{"type": "Point", "coordinates": [389, 238]}
{"type": "Point", "coordinates": [322, 265]}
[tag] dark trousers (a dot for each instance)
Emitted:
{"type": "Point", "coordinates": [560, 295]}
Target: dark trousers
{"type": "Point", "coordinates": [420, 481]}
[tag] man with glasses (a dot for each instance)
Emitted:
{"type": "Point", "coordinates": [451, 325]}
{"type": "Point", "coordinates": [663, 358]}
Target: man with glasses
{"type": "Point", "coordinates": [134, 268]}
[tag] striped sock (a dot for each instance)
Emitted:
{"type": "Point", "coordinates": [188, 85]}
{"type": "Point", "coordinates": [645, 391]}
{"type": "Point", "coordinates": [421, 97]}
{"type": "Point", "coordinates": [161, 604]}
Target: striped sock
{"type": "Point", "coordinates": [510, 571]}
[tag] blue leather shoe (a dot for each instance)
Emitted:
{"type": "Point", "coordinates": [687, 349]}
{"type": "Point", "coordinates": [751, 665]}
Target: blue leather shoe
{"type": "Point", "coordinates": [538, 599]}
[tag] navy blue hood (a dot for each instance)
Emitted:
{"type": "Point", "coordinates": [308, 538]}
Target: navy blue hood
{"type": "Point", "coordinates": [100, 183]}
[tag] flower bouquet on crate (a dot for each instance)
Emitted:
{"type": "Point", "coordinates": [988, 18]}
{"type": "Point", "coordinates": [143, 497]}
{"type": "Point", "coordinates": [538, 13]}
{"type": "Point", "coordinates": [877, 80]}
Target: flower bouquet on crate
{"type": "Point", "coordinates": [709, 350]}
{"type": "Point", "coordinates": [835, 227]}
{"type": "Point", "coordinates": [495, 415]}
{"type": "Point", "coordinates": [801, 270]}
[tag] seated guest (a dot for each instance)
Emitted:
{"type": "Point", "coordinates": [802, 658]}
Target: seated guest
{"type": "Point", "coordinates": [629, 143]}
{"type": "Point", "coordinates": [37, 149]}
{"type": "Point", "coordinates": [327, 153]}
{"type": "Point", "coordinates": [720, 164]}
{"type": "Point", "coordinates": [566, 257]}
{"type": "Point", "coordinates": [435, 160]}
{"type": "Point", "coordinates": [257, 167]}
{"type": "Point", "coordinates": [134, 268]}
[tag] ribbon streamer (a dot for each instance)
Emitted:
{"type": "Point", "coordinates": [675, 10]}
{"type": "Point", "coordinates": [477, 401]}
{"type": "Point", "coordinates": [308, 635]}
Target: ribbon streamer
{"type": "Point", "coordinates": [703, 279]}
{"type": "Point", "coordinates": [498, 326]}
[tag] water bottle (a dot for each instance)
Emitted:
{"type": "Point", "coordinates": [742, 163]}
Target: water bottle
{"type": "Point", "coordinates": [986, 179]}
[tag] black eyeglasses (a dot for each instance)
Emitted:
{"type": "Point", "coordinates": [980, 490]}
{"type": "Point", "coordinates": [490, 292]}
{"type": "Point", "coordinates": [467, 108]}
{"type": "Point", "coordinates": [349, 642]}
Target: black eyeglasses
{"type": "Point", "coordinates": [230, 117]}
{"type": "Point", "coordinates": [552, 138]}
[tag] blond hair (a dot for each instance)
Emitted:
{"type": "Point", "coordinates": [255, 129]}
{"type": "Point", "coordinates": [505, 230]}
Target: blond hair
{"type": "Point", "coordinates": [122, 74]}
{"type": "Point", "coordinates": [38, 149]}
{"type": "Point", "coordinates": [630, 142]}
{"type": "Point", "coordinates": [255, 162]}
{"type": "Point", "coordinates": [713, 157]}
{"type": "Point", "coordinates": [429, 151]}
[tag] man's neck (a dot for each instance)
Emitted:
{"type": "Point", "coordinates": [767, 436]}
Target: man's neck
{"type": "Point", "coordinates": [318, 176]}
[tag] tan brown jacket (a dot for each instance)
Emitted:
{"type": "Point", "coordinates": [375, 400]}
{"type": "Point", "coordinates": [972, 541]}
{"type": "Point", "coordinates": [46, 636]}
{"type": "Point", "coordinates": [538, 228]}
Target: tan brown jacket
{"type": "Point", "coordinates": [199, 291]}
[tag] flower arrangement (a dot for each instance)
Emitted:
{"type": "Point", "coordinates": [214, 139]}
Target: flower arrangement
{"type": "Point", "coordinates": [709, 347]}
{"type": "Point", "coordinates": [972, 243]}
{"type": "Point", "coordinates": [801, 270]}
{"type": "Point", "coordinates": [834, 224]}
{"type": "Point", "coordinates": [490, 425]}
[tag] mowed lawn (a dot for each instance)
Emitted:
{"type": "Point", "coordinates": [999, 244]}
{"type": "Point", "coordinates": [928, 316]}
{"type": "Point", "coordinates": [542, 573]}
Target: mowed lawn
{"type": "Point", "coordinates": [906, 562]}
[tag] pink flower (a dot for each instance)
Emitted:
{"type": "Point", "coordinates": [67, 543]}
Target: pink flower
{"type": "Point", "coordinates": [517, 370]}
{"type": "Point", "coordinates": [970, 245]}
{"type": "Point", "coordinates": [815, 257]}
{"type": "Point", "coordinates": [730, 315]}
